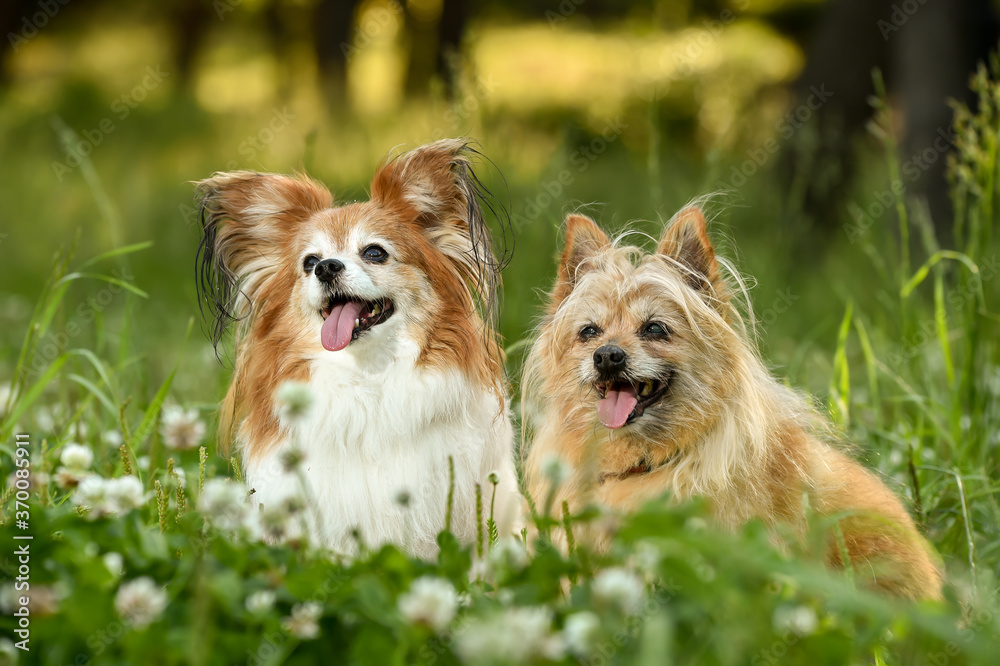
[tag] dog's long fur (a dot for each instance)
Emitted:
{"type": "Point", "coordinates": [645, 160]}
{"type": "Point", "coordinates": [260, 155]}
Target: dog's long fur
{"type": "Point", "coordinates": [723, 429]}
{"type": "Point", "coordinates": [399, 398]}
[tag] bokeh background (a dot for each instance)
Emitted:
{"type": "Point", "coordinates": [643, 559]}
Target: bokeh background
{"type": "Point", "coordinates": [109, 110]}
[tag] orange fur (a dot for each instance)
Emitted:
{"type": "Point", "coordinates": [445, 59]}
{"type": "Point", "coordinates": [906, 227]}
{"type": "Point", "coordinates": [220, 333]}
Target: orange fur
{"type": "Point", "coordinates": [713, 421]}
{"type": "Point", "coordinates": [256, 228]}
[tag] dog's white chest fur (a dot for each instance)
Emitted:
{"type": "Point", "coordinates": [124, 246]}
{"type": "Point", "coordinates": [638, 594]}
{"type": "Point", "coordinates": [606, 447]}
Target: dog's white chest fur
{"type": "Point", "coordinates": [379, 432]}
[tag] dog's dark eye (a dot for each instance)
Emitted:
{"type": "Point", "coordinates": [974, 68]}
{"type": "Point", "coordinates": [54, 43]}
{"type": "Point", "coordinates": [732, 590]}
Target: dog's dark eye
{"type": "Point", "coordinates": [309, 263]}
{"type": "Point", "coordinates": [374, 254]}
{"type": "Point", "coordinates": [589, 331]}
{"type": "Point", "coordinates": [655, 329]}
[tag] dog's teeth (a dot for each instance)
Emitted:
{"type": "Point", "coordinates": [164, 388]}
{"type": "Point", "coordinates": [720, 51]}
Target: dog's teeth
{"type": "Point", "coordinates": [377, 310]}
{"type": "Point", "coordinates": [357, 322]}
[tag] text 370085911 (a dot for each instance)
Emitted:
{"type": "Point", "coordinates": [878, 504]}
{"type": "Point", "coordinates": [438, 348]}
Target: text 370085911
{"type": "Point", "coordinates": [22, 547]}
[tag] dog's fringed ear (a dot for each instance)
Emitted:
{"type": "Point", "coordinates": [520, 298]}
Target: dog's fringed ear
{"type": "Point", "coordinates": [584, 239]}
{"type": "Point", "coordinates": [435, 187]}
{"type": "Point", "coordinates": [246, 217]}
{"type": "Point", "coordinates": [685, 241]}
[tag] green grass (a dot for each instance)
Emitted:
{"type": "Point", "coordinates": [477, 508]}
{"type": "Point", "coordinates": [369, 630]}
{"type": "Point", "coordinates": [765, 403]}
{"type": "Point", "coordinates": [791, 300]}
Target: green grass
{"type": "Point", "coordinates": [904, 348]}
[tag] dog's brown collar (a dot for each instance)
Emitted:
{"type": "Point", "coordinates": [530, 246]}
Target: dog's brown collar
{"type": "Point", "coordinates": [643, 467]}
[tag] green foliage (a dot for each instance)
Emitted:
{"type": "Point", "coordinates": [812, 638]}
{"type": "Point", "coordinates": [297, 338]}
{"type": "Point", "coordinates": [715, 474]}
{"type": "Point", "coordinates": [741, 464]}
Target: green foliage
{"type": "Point", "coordinates": [914, 377]}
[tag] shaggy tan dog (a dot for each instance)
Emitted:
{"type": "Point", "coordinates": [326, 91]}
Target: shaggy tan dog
{"type": "Point", "coordinates": [644, 380]}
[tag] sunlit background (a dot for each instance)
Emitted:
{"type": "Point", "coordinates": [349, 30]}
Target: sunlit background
{"type": "Point", "coordinates": [109, 110]}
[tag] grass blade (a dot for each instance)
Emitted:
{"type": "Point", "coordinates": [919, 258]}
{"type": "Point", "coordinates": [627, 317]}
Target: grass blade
{"type": "Point", "coordinates": [106, 278]}
{"type": "Point", "coordinates": [125, 249]}
{"type": "Point", "coordinates": [937, 257]}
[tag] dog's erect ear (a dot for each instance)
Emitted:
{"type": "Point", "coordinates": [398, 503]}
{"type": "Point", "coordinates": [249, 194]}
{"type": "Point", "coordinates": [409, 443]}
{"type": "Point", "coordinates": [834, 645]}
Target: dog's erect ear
{"type": "Point", "coordinates": [436, 187]}
{"type": "Point", "coordinates": [246, 217]}
{"type": "Point", "coordinates": [685, 241]}
{"type": "Point", "coordinates": [584, 239]}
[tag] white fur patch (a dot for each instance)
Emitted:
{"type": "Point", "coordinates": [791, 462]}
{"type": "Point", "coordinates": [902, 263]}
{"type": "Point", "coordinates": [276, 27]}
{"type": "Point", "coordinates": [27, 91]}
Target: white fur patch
{"type": "Point", "coordinates": [379, 427]}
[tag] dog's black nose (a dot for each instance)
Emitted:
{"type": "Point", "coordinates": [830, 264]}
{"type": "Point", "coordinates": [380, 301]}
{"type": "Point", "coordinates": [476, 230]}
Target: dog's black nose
{"type": "Point", "coordinates": [609, 359]}
{"type": "Point", "coordinates": [327, 270]}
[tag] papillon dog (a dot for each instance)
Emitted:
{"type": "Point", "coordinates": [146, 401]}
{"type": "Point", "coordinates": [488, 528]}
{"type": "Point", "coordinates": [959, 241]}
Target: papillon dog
{"type": "Point", "coordinates": [385, 310]}
{"type": "Point", "coordinates": [645, 380]}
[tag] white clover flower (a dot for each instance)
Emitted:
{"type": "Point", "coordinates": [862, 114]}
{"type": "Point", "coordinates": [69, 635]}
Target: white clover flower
{"type": "Point", "coordinates": [140, 602]}
{"type": "Point", "coordinates": [513, 635]}
{"type": "Point", "coordinates": [295, 398]}
{"type": "Point", "coordinates": [142, 462]}
{"type": "Point", "coordinates": [250, 526]}
{"type": "Point", "coordinates": [115, 563]}
{"type": "Point", "coordinates": [76, 456]}
{"type": "Point", "coordinates": [45, 419]}
{"type": "Point", "coordinates": [303, 623]}
{"type": "Point", "coordinates": [431, 601]}
{"type": "Point", "coordinates": [35, 481]}
{"type": "Point", "coordinates": [555, 468]}
{"type": "Point", "coordinates": [580, 633]}
{"type": "Point", "coordinates": [181, 429]}
{"type": "Point", "coordinates": [8, 598]}
{"type": "Point", "coordinates": [619, 587]}
{"type": "Point", "coordinates": [507, 555]}
{"type": "Point", "coordinates": [113, 438]}
{"type": "Point", "coordinates": [695, 524]}
{"type": "Point", "coordinates": [92, 492]}
{"type": "Point", "coordinates": [224, 504]}
{"type": "Point", "coordinates": [70, 478]}
{"type": "Point", "coordinates": [8, 651]}
{"type": "Point", "coordinates": [44, 600]}
{"type": "Point", "coordinates": [800, 620]}
{"type": "Point", "coordinates": [646, 559]}
{"type": "Point", "coordinates": [110, 496]}
{"type": "Point", "coordinates": [124, 494]}
{"type": "Point", "coordinates": [275, 522]}
{"type": "Point", "coordinates": [260, 602]}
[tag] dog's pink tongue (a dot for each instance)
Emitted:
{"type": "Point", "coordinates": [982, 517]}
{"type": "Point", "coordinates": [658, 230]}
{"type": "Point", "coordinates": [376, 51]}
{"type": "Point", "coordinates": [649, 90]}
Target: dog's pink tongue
{"type": "Point", "coordinates": [339, 326]}
{"type": "Point", "coordinates": [614, 408]}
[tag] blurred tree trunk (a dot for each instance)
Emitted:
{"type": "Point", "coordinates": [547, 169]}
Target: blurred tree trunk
{"type": "Point", "coordinates": [333, 22]}
{"type": "Point", "coordinates": [435, 38]}
{"type": "Point", "coordinates": [926, 52]}
{"type": "Point", "coordinates": [188, 21]}
{"type": "Point", "coordinates": [454, 20]}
